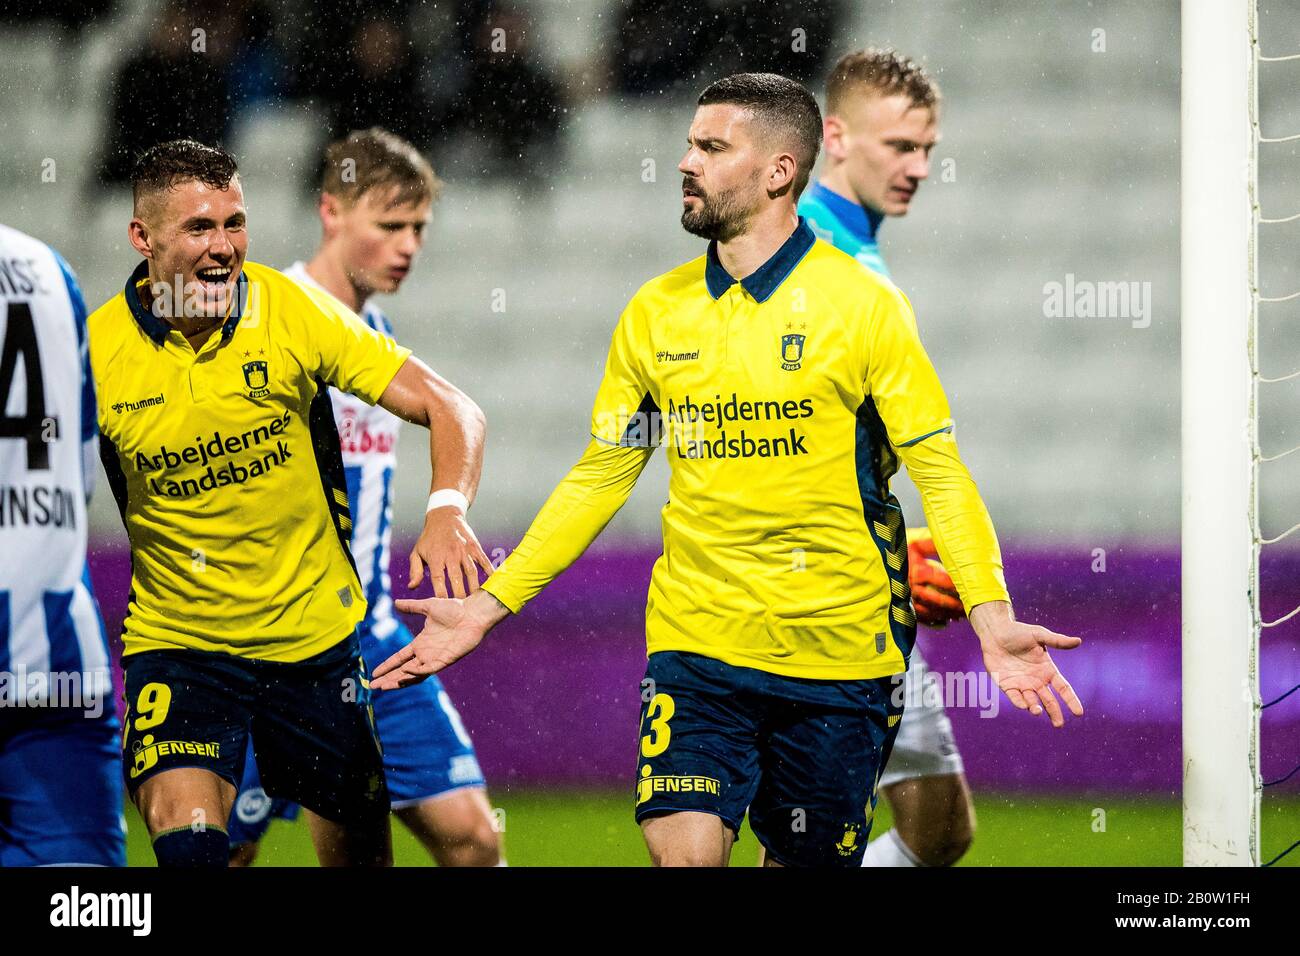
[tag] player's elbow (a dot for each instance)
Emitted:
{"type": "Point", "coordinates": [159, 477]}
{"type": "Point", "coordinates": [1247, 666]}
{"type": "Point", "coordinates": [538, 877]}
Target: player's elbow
{"type": "Point", "coordinates": [470, 411]}
{"type": "Point", "coordinates": [476, 415]}
{"type": "Point", "coordinates": [449, 403]}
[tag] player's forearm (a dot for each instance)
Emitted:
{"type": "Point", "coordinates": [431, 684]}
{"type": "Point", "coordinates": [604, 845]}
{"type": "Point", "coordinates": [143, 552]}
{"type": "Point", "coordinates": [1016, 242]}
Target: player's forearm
{"type": "Point", "coordinates": [575, 513]}
{"type": "Point", "coordinates": [457, 429]}
{"type": "Point", "coordinates": [958, 520]}
{"type": "Point", "coordinates": [457, 426]}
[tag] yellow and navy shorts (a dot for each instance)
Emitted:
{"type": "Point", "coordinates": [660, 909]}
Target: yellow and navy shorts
{"type": "Point", "coordinates": [311, 720]}
{"type": "Point", "coordinates": [802, 756]}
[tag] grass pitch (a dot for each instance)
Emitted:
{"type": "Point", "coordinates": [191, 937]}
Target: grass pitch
{"type": "Point", "coordinates": [595, 828]}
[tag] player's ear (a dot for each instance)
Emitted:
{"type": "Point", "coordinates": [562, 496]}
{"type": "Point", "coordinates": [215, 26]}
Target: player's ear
{"type": "Point", "coordinates": [834, 134]}
{"type": "Point", "coordinates": [780, 175]}
{"type": "Point", "coordinates": [331, 211]}
{"type": "Point", "coordinates": [138, 232]}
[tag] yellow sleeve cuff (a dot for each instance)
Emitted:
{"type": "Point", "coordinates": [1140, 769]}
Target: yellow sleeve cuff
{"type": "Point", "coordinates": [500, 588]}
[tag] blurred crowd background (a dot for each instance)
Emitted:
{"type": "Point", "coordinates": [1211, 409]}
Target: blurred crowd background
{"type": "Point", "coordinates": [430, 72]}
{"type": "Point", "coordinates": [557, 126]}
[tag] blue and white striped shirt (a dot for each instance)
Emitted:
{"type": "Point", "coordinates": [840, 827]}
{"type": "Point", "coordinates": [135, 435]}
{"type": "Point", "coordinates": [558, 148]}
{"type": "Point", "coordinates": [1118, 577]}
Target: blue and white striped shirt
{"type": "Point", "coordinates": [53, 650]}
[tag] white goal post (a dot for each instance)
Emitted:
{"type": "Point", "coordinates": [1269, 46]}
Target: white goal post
{"type": "Point", "coordinates": [1220, 562]}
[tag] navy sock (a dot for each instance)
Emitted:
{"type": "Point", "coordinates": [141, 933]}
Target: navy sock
{"type": "Point", "coordinates": [208, 848]}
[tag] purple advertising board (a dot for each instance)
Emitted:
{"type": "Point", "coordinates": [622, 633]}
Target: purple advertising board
{"type": "Point", "coordinates": [552, 696]}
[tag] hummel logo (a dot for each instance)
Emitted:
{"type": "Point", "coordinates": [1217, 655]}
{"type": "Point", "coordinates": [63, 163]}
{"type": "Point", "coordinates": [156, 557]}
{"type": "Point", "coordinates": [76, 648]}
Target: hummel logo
{"type": "Point", "coordinates": [663, 356]}
{"type": "Point", "coordinates": [121, 407]}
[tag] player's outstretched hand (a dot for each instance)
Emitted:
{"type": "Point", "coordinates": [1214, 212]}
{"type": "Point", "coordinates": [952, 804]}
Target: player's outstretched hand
{"type": "Point", "coordinates": [934, 596]}
{"type": "Point", "coordinates": [1015, 654]}
{"type": "Point", "coordinates": [451, 552]}
{"type": "Point", "coordinates": [452, 628]}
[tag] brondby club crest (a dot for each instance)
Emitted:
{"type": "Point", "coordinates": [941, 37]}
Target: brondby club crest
{"type": "Point", "coordinates": [849, 842]}
{"type": "Point", "coordinates": [256, 379]}
{"type": "Point", "coordinates": [792, 351]}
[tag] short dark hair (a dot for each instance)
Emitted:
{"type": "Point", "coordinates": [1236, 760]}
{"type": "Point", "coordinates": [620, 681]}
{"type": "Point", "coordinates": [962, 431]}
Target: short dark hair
{"type": "Point", "coordinates": [885, 72]}
{"type": "Point", "coordinates": [181, 161]}
{"type": "Point", "coordinates": [372, 159]}
{"type": "Point", "coordinates": [782, 105]}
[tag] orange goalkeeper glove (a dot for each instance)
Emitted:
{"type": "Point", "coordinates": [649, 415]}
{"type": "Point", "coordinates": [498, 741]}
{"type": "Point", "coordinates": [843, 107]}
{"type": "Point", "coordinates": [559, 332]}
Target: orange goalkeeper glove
{"type": "Point", "coordinates": [934, 596]}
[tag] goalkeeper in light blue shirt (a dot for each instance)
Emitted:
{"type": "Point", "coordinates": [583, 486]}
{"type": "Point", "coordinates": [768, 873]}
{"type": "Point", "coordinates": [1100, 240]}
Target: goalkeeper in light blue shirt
{"type": "Point", "coordinates": [845, 224]}
{"type": "Point", "coordinates": [880, 124]}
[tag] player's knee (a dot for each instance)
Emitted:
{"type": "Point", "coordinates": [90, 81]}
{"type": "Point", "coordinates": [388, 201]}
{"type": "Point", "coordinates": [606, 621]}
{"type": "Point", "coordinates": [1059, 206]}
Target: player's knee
{"type": "Point", "coordinates": [685, 853]}
{"type": "Point", "coordinates": [459, 830]}
{"type": "Point", "coordinates": [947, 847]}
{"type": "Point", "coordinates": [163, 811]}
{"type": "Point", "coordinates": [942, 844]}
{"type": "Point", "coordinates": [684, 856]}
{"type": "Point", "coordinates": [184, 797]}
{"type": "Point", "coordinates": [486, 842]}
{"type": "Point", "coordinates": [686, 839]}
{"type": "Point", "coordinates": [961, 831]}
{"type": "Point", "coordinates": [479, 844]}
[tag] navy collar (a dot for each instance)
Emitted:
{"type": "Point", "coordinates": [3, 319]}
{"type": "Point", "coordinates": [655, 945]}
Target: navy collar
{"type": "Point", "coordinates": [764, 280]}
{"type": "Point", "coordinates": [859, 220]}
{"type": "Point", "coordinates": [155, 327]}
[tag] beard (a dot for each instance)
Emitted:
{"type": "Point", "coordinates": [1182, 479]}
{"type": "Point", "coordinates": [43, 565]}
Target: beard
{"type": "Point", "coordinates": [721, 217]}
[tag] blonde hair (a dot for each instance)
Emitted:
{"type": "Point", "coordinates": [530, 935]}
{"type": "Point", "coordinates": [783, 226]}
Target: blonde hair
{"type": "Point", "coordinates": [884, 72]}
{"type": "Point", "coordinates": [366, 160]}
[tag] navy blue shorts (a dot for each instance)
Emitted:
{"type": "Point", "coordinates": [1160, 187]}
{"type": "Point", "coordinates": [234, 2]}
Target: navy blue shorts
{"type": "Point", "coordinates": [60, 790]}
{"type": "Point", "coordinates": [315, 731]}
{"type": "Point", "coordinates": [802, 756]}
{"type": "Point", "coordinates": [427, 751]}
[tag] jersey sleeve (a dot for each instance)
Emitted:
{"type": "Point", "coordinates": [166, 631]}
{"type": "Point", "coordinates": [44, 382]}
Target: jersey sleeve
{"type": "Point", "coordinates": [958, 520]}
{"type": "Point", "coordinates": [349, 354]}
{"type": "Point", "coordinates": [900, 379]}
{"type": "Point", "coordinates": [575, 513]}
{"type": "Point", "coordinates": [625, 412]}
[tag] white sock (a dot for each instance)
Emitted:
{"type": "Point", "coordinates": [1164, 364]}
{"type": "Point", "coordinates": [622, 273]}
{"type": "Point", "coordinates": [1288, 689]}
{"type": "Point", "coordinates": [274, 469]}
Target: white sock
{"type": "Point", "coordinates": [888, 849]}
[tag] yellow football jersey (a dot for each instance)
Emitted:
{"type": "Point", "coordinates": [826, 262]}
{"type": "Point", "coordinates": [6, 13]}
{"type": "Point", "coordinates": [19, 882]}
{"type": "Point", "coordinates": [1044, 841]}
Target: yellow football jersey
{"type": "Point", "coordinates": [226, 466]}
{"type": "Point", "coordinates": [785, 402]}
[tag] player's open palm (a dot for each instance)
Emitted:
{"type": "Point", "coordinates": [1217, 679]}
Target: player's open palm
{"type": "Point", "coordinates": [450, 632]}
{"type": "Point", "coordinates": [1016, 656]}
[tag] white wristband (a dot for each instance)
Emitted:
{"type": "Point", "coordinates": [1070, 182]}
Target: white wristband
{"type": "Point", "coordinates": [448, 496]}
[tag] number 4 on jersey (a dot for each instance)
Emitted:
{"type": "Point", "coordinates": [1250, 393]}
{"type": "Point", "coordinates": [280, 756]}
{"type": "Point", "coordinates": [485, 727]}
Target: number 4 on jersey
{"type": "Point", "coordinates": [20, 342]}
